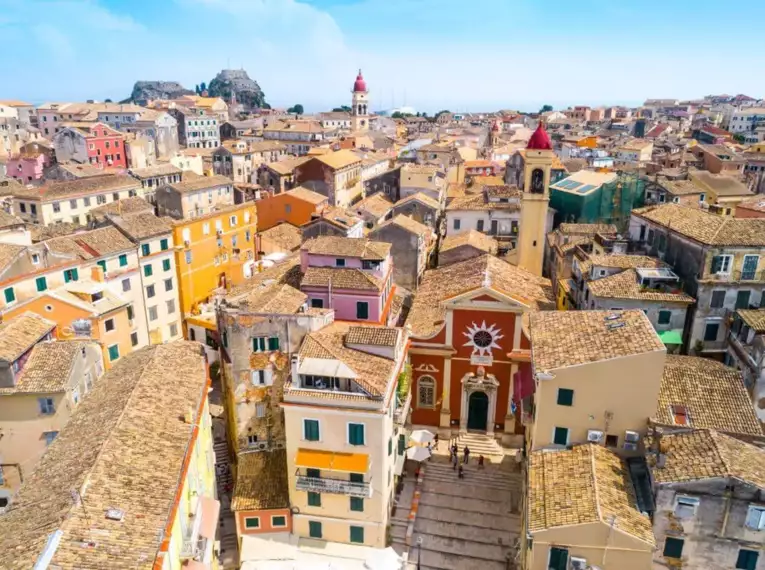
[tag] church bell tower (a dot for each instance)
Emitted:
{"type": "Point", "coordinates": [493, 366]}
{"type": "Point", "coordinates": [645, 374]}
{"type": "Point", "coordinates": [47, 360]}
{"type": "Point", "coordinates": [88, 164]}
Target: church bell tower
{"type": "Point", "coordinates": [534, 201]}
{"type": "Point", "coordinates": [359, 105]}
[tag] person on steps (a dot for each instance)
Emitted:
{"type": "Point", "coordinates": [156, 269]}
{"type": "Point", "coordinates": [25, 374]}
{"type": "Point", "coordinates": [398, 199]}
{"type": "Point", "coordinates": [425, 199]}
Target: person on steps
{"type": "Point", "coordinates": [466, 453]}
{"type": "Point", "coordinates": [460, 472]}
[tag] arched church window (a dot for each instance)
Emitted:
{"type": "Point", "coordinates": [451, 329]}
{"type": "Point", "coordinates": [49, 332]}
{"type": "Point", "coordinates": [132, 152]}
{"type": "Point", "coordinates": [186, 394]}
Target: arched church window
{"type": "Point", "coordinates": [537, 181]}
{"type": "Point", "coordinates": [426, 392]}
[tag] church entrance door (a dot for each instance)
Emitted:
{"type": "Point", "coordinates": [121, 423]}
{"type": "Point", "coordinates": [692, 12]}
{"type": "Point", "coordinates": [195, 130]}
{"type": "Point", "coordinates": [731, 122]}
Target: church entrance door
{"type": "Point", "coordinates": [478, 410]}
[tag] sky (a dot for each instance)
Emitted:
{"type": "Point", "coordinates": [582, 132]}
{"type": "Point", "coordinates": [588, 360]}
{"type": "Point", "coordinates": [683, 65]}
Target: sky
{"type": "Point", "coordinates": [461, 55]}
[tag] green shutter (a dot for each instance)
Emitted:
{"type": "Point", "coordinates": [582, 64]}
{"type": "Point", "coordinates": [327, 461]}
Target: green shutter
{"type": "Point", "coordinates": [42, 284]}
{"type": "Point", "coordinates": [145, 249]}
{"type": "Point", "coordinates": [163, 244]}
{"type": "Point", "coordinates": [717, 262]}
{"type": "Point", "coordinates": [147, 270]}
{"type": "Point", "coordinates": [390, 445]}
{"type": "Point", "coordinates": [357, 478]}
{"type": "Point", "coordinates": [314, 499]}
{"type": "Point", "coordinates": [357, 504]}
{"type": "Point", "coordinates": [362, 310]}
{"type": "Point", "coordinates": [10, 295]}
{"type": "Point", "coordinates": [357, 534]}
{"type": "Point", "coordinates": [558, 559]}
{"type": "Point", "coordinates": [273, 343]}
{"type": "Point", "coordinates": [311, 430]}
{"type": "Point", "coordinates": [665, 317]}
{"type": "Point", "coordinates": [673, 547]}
{"type": "Point", "coordinates": [114, 353]}
{"type": "Point", "coordinates": [356, 434]}
{"type": "Point", "coordinates": [278, 521]}
{"type": "Point", "coordinates": [561, 436]}
{"type": "Point", "coordinates": [123, 260]}
{"type": "Point", "coordinates": [747, 559]}
{"type": "Point", "coordinates": [166, 264]}
{"type": "Point", "coordinates": [314, 473]}
{"type": "Point", "coordinates": [252, 522]}
{"type": "Point", "coordinates": [401, 444]}
{"type": "Point", "coordinates": [565, 397]}
{"type": "Point", "coordinates": [102, 263]}
{"type": "Point", "coordinates": [314, 529]}
{"type": "Point", "coordinates": [224, 339]}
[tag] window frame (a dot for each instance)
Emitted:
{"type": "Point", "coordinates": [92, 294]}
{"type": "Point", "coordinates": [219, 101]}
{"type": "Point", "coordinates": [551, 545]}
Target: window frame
{"type": "Point", "coordinates": [318, 429]}
{"type": "Point", "coordinates": [313, 499]}
{"type": "Point", "coordinates": [315, 529]}
{"type": "Point", "coordinates": [427, 379]}
{"type": "Point", "coordinates": [109, 350]}
{"type": "Point", "coordinates": [686, 501]}
{"type": "Point", "coordinates": [760, 509]}
{"type": "Point", "coordinates": [363, 433]}
{"type": "Point", "coordinates": [664, 312]}
{"type": "Point", "coordinates": [273, 523]}
{"type": "Point", "coordinates": [359, 534]}
{"type": "Point", "coordinates": [247, 523]}
{"type": "Point", "coordinates": [568, 435]}
{"type": "Point", "coordinates": [672, 540]}
{"type": "Point", "coordinates": [566, 391]}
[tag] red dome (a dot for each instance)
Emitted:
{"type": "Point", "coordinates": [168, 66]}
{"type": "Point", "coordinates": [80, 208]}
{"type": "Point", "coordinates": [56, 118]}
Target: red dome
{"type": "Point", "coordinates": [495, 127]}
{"type": "Point", "coordinates": [360, 84]}
{"type": "Point", "coordinates": [539, 140]}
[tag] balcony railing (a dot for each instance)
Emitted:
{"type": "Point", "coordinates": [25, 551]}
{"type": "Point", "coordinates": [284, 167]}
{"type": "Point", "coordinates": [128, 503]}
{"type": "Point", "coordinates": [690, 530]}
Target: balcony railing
{"type": "Point", "coordinates": [336, 486]}
{"type": "Point", "coordinates": [401, 415]}
{"type": "Point", "coordinates": [192, 548]}
{"type": "Point", "coordinates": [737, 276]}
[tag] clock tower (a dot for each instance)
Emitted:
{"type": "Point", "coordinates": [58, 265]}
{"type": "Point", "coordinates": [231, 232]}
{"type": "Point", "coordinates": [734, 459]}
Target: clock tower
{"type": "Point", "coordinates": [359, 104]}
{"type": "Point", "coordinates": [534, 201]}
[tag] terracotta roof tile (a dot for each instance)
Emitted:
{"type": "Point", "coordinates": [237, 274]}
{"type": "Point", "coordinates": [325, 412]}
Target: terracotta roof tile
{"type": "Point", "coordinates": [48, 367]}
{"type": "Point", "coordinates": [261, 481]}
{"type": "Point", "coordinates": [625, 285]}
{"type": "Point", "coordinates": [9, 252]}
{"type": "Point", "coordinates": [348, 247]}
{"type": "Point", "coordinates": [587, 229]}
{"type": "Point", "coordinates": [136, 439]}
{"type": "Point", "coordinates": [83, 186]}
{"type": "Point", "coordinates": [753, 318]}
{"type": "Point", "coordinates": [285, 235]}
{"type": "Point", "coordinates": [341, 278]}
{"type": "Point", "coordinates": [713, 396]}
{"type": "Point", "coordinates": [142, 225]}
{"type": "Point", "coordinates": [581, 485]}
{"type": "Point", "coordinates": [200, 183]}
{"type": "Point", "coordinates": [408, 223]}
{"type": "Point", "coordinates": [19, 334]}
{"type": "Point", "coordinates": [376, 336]}
{"type": "Point", "coordinates": [472, 238]}
{"type": "Point", "coordinates": [304, 193]}
{"type": "Point", "coordinates": [376, 205]}
{"type": "Point", "coordinates": [569, 338]}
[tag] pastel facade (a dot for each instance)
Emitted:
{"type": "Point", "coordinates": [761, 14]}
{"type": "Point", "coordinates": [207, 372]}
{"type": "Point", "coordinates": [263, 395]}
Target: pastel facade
{"type": "Point", "coordinates": [296, 206]}
{"type": "Point", "coordinates": [336, 175]}
{"type": "Point", "coordinates": [194, 197]}
{"type": "Point", "coordinates": [27, 169]}
{"type": "Point", "coordinates": [90, 143]}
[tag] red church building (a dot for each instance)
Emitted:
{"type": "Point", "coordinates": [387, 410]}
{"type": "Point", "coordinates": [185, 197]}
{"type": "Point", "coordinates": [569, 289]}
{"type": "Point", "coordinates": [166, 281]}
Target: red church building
{"type": "Point", "coordinates": [468, 343]}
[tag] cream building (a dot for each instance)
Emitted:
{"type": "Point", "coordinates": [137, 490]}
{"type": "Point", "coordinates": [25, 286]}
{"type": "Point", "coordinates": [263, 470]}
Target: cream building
{"type": "Point", "coordinates": [342, 430]}
{"type": "Point", "coordinates": [194, 197]}
{"type": "Point", "coordinates": [597, 377]}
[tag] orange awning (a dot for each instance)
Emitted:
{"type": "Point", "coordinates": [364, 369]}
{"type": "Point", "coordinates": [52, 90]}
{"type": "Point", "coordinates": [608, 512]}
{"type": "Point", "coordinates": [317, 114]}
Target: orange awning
{"type": "Point", "coordinates": [332, 461]}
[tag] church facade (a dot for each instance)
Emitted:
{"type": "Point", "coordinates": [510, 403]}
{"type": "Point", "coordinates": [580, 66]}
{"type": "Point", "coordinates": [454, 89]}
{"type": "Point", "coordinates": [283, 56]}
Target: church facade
{"type": "Point", "coordinates": [470, 356]}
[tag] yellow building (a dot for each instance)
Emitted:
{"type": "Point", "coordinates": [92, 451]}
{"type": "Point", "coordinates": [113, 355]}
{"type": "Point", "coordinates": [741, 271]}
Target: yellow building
{"type": "Point", "coordinates": [536, 196]}
{"type": "Point", "coordinates": [129, 481]}
{"type": "Point", "coordinates": [598, 375]}
{"type": "Point", "coordinates": [214, 250]}
{"type": "Point", "coordinates": [581, 512]}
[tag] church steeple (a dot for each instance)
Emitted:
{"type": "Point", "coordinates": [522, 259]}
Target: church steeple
{"type": "Point", "coordinates": [360, 104]}
{"type": "Point", "coordinates": [536, 195]}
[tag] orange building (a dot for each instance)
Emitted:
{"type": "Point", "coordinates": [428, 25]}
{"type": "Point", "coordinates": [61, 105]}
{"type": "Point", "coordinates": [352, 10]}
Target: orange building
{"type": "Point", "coordinates": [214, 250]}
{"type": "Point", "coordinates": [87, 309]}
{"type": "Point", "coordinates": [295, 206]}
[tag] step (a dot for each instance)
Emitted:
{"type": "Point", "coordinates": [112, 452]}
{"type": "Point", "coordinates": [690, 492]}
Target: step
{"type": "Point", "coordinates": [474, 476]}
{"type": "Point", "coordinates": [475, 491]}
{"type": "Point", "coordinates": [494, 537]}
{"type": "Point", "coordinates": [465, 504]}
{"type": "Point", "coordinates": [398, 532]}
{"type": "Point", "coordinates": [507, 522]}
{"type": "Point", "coordinates": [488, 473]}
{"type": "Point", "coordinates": [439, 560]}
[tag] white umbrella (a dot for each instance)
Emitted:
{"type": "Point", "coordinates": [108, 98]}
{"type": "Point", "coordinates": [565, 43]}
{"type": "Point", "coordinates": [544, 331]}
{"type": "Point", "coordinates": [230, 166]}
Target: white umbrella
{"type": "Point", "coordinates": [385, 559]}
{"type": "Point", "coordinates": [421, 436]}
{"type": "Point", "coordinates": [418, 453]}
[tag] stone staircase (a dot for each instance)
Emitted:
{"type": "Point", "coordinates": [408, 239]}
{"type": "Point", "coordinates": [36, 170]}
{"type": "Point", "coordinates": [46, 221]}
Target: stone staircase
{"type": "Point", "coordinates": [471, 523]}
{"type": "Point", "coordinates": [400, 519]}
{"type": "Point", "coordinates": [479, 444]}
{"type": "Point", "coordinates": [229, 543]}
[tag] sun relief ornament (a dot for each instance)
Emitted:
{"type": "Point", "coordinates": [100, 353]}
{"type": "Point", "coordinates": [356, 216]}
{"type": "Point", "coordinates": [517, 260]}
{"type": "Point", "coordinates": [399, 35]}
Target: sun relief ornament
{"type": "Point", "coordinates": [483, 338]}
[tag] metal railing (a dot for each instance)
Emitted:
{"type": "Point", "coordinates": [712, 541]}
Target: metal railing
{"type": "Point", "coordinates": [401, 415]}
{"type": "Point", "coordinates": [737, 276]}
{"type": "Point", "coordinates": [336, 486]}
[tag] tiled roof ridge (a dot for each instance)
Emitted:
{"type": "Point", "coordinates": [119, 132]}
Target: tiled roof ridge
{"type": "Point", "coordinates": [595, 481]}
{"type": "Point", "coordinates": [714, 436]}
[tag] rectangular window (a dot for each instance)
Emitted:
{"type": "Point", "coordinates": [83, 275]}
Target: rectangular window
{"type": "Point", "coordinates": [479, 225]}
{"type": "Point", "coordinates": [742, 299]}
{"type": "Point", "coordinates": [456, 223]}
{"type": "Point", "coordinates": [150, 291]}
{"type": "Point", "coordinates": [755, 517]}
{"type": "Point", "coordinates": [47, 407]}
{"type": "Point", "coordinates": [718, 299]}
{"type": "Point", "coordinates": [168, 284]}
{"type": "Point", "coordinates": [173, 329]}
{"type": "Point", "coordinates": [188, 256]}
{"type": "Point", "coordinates": [109, 324]}
{"type": "Point", "coordinates": [166, 265]}
{"type": "Point", "coordinates": [560, 436]}
{"type": "Point", "coordinates": [357, 478]}
{"type": "Point", "coordinates": [314, 499]}
{"type": "Point", "coordinates": [721, 264]}
{"type": "Point", "coordinates": [102, 265]}
{"type": "Point", "coordinates": [126, 285]}
{"type": "Point", "coordinates": [163, 244]}
{"type": "Point", "coordinates": [273, 343]}
{"type": "Point", "coordinates": [114, 352]}
{"type": "Point", "coordinates": [278, 521]}
{"type": "Point", "coordinates": [749, 268]}
{"type": "Point", "coordinates": [710, 332]}
{"type": "Point", "coordinates": [673, 547]}
{"type": "Point", "coordinates": [252, 522]}
{"type": "Point", "coordinates": [390, 445]}
{"type": "Point", "coordinates": [123, 260]}
{"type": "Point", "coordinates": [70, 275]}
{"type": "Point", "coordinates": [313, 473]}
{"type": "Point", "coordinates": [10, 295]}
{"type": "Point", "coordinates": [145, 249]}
{"type": "Point", "coordinates": [153, 316]}
{"type": "Point", "coordinates": [339, 262]}
{"type": "Point", "coordinates": [147, 270]}
{"type": "Point", "coordinates": [685, 507]}
{"type": "Point", "coordinates": [317, 303]}
{"type": "Point", "coordinates": [314, 529]}
{"type": "Point", "coordinates": [665, 317]}
{"type": "Point", "coordinates": [311, 430]}
{"type": "Point", "coordinates": [56, 207]}
{"type": "Point", "coordinates": [558, 559]}
{"type": "Point", "coordinates": [134, 339]}
{"type": "Point", "coordinates": [170, 306]}
{"type": "Point", "coordinates": [747, 559]}
{"type": "Point", "coordinates": [565, 397]}
{"type": "Point", "coordinates": [259, 344]}
{"type": "Point", "coordinates": [356, 434]}
{"type": "Point", "coordinates": [357, 534]}
{"type": "Point", "coordinates": [362, 310]}
{"type": "Point", "coordinates": [41, 283]}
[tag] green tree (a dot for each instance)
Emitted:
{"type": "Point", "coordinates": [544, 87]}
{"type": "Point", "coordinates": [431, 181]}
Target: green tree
{"type": "Point", "coordinates": [197, 90]}
{"type": "Point", "coordinates": [341, 109]}
{"type": "Point", "coordinates": [442, 112]}
{"type": "Point", "coordinates": [202, 87]}
{"type": "Point", "coordinates": [297, 109]}
{"type": "Point", "coordinates": [107, 100]}
{"type": "Point", "coordinates": [546, 109]}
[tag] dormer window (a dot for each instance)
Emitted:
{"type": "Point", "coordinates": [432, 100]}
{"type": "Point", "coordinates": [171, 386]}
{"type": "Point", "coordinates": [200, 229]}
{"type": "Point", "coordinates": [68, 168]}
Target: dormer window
{"type": "Point", "coordinates": [339, 262]}
{"type": "Point", "coordinates": [372, 265]}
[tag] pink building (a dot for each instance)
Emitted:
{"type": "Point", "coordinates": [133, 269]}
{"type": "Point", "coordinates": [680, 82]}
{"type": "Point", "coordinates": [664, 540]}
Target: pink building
{"type": "Point", "coordinates": [353, 276]}
{"type": "Point", "coordinates": [26, 167]}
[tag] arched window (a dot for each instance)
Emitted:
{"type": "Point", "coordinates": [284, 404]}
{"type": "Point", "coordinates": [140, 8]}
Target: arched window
{"type": "Point", "coordinates": [426, 392]}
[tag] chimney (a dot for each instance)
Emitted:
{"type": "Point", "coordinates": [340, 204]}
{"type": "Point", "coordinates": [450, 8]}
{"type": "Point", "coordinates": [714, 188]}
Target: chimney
{"type": "Point", "coordinates": [97, 273]}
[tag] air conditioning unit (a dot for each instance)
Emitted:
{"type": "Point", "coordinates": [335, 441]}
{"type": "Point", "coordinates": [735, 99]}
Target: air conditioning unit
{"type": "Point", "coordinates": [631, 436]}
{"type": "Point", "coordinates": [594, 436]}
{"type": "Point", "coordinates": [630, 446]}
{"type": "Point", "coordinates": [262, 446]}
{"type": "Point", "coordinates": [578, 563]}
